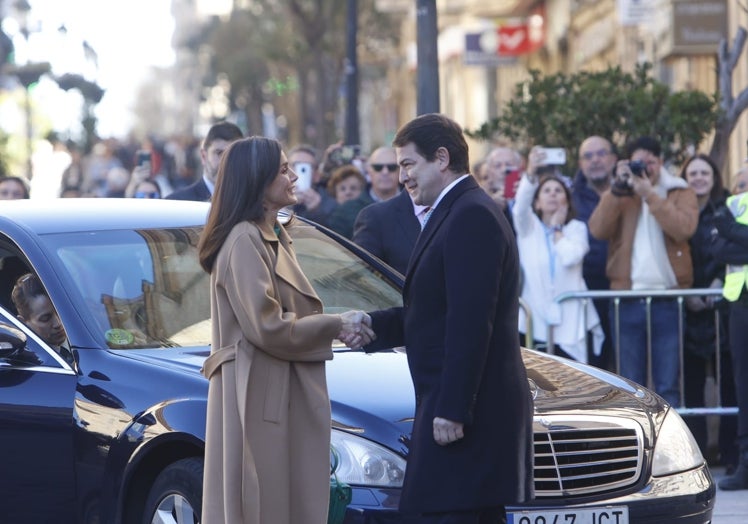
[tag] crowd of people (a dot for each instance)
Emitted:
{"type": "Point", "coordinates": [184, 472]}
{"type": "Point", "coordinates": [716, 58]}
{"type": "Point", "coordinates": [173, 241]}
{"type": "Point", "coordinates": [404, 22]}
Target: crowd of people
{"type": "Point", "coordinates": [623, 222]}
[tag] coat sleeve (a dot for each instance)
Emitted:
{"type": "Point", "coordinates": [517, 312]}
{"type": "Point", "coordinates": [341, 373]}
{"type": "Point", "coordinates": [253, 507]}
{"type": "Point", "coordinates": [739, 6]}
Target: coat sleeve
{"type": "Point", "coordinates": [523, 217]}
{"type": "Point", "coordinates": [248, 283]}
{"type": "Point", "coordinates": [365, 232]}
{"type": "Point", "coordinates": [678, 214]}
{"type": "Point", "coordinates": [388, 327]}
{"type": "Point", "coordinates": [574, 244]}
{"type": "Point", "coordinates": [730, 246]}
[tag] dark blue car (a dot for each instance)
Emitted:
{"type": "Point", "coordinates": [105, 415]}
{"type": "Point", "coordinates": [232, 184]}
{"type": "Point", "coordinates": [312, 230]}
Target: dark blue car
{"type": "Point", "coordinates": [118, 435]}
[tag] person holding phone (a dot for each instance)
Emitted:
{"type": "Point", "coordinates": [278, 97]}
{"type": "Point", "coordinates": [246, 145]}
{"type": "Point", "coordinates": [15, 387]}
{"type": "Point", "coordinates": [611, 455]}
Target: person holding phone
{"type": "Point", "coordinates": [314, 202]}
{"type": "Point", "coordinates": [499, 177]}
{"type": "Point", "coordinates": [552, 245]}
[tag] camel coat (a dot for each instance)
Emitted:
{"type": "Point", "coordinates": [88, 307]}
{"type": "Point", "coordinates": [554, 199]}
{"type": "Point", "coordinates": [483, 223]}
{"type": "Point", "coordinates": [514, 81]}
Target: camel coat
{"type": "Point", "coordinates": [268, 424]}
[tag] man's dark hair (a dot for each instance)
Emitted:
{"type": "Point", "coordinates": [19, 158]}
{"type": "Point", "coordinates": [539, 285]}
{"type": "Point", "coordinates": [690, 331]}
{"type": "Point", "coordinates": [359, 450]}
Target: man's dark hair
{"type": "Point", "coordinates": [222, 131]}
{"type": "Point", "coordinates": [431, 131]}
{"type": "Point", "coordinates": [646, 143]}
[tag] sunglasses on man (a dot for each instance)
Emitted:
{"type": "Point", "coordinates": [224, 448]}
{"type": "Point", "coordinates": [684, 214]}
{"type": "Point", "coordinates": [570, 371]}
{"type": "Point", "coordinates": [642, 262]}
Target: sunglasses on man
{"type": "Point", "coordinates": [390, 167]}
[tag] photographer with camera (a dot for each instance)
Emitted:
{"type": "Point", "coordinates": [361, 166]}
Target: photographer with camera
{"type": "Point", "coordinates": [647, 217]}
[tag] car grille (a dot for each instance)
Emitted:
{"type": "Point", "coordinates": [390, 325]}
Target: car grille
{"type": "Point", "coordinates": [585, 455]}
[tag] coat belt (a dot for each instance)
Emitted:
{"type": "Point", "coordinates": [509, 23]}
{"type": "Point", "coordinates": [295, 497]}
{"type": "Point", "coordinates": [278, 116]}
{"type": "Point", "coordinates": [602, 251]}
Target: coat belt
{"type": "Point", "coordinates": [217, 359]}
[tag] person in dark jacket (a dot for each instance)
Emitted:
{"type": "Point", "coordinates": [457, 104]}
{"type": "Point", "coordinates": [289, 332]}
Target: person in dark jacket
{"type": "Point", "coordinates": [731, 248]}
{"type": "Point", "coordinates": [218, 139]}
{"type": "Point", "coordinates": [459, 322]}
{"type": "Point", "coordinates": [389, 229]}
{"type": "Point", "coordinates": [700, 336]}
{"type": "Point", "coordinates": [596, 162]}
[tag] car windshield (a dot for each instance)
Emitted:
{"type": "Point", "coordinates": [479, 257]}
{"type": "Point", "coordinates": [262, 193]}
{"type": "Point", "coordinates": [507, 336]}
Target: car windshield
{"type": "Point", "coordinates": [145, 288]}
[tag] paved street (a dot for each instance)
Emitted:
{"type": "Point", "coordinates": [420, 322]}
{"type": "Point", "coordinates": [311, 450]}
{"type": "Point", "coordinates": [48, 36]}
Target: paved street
{"type": "Point", "coordinates": [732, 506]}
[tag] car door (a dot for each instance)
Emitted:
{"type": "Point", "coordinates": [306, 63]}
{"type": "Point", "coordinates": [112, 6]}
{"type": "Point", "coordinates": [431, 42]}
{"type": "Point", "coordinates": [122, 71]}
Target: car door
{"type": "Point", "coordinates": [37, 480]}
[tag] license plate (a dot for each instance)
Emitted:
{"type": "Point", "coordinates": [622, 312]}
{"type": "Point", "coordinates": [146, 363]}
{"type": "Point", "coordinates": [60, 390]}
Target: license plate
{"type": "Point", "coordinates": [606, 515]}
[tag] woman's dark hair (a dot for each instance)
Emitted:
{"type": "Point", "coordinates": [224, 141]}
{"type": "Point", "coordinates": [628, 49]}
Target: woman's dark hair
{"type": "Point", "coordinates": [571, 213]}
{"type": "Point", "coordinates": [21, 182]}
{"type": "Point", "coordinates": [247, 168]}
{"type": "Point", "coordinates": [431, 131]}
{"type": "Point", "coordinates": [27, 286]}
{"type": "Point", "coordinates": [718, 188]}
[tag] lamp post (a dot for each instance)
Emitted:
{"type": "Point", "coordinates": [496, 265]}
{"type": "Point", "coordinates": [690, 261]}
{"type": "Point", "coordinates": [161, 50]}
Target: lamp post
{"type": "Point", "coordinates": [428, 60]}
{"type": "Point", "coordinates": [351, 74]}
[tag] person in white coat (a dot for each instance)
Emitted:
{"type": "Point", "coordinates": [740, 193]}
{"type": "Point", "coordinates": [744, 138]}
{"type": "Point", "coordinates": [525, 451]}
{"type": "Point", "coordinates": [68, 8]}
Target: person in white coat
{"type": "Point", "coordinates": [552, 245]}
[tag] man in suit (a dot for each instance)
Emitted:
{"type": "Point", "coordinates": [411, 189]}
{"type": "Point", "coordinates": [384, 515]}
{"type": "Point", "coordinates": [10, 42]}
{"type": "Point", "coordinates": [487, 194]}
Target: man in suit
{"type": "Point", "coordinates": [471, 448]}
{"type": "Point", "coordinates": [219, 136]}
{"type": "Point", "coordinates": [383, 174]}
{"type": "Point", "coordinates": [389, 229]}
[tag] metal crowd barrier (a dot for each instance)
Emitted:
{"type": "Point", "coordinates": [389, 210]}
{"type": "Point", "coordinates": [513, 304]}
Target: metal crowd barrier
{"type": "Point", "coordinates": [675, 294]}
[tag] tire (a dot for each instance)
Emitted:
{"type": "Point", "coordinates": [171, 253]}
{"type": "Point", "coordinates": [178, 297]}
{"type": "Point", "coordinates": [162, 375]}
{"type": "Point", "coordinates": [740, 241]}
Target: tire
{"type": "Point", "coordinates": [176, 495]}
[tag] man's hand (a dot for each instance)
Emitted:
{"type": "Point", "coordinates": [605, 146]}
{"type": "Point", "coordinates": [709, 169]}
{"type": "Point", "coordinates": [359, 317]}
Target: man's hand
{"type": "Point", "coordinates": [641, 185]}
{"type": "Point", "coordinates": [355, 330]}
{"type": "Point", "coordinates": [447, 431]}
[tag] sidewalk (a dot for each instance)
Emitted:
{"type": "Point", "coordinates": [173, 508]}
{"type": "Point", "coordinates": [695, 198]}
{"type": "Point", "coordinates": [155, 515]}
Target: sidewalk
{"type": "Point", "coordinates": [731, 506]}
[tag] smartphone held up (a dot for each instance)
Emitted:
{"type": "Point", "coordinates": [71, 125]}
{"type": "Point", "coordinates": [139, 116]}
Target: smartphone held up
{"type": "Point", "coordinates": [511, 180]}
{"type": "Point", "coordinates": [303, 171]}
{"type": "Point", "coordinates": [554, 156]}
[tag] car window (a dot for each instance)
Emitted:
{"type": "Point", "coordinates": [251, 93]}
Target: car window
{"type": "Point", "coordinates": [145, 288]}
{"type": "Point", "coordinates": [342, 280]}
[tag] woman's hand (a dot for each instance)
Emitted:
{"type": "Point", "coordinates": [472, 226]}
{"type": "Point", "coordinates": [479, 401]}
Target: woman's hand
{"type": "Point", "coordinates": [355, 330]}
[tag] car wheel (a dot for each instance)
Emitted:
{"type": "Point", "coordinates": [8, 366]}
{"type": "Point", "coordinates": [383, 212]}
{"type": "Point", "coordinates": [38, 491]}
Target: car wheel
{"type": "Point", "coordinates": [176, 495]}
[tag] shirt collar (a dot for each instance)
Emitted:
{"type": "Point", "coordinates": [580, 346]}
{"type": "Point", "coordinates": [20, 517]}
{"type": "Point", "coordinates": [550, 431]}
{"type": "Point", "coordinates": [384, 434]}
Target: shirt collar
{"type": "Point", "coordinates": [447, 190]}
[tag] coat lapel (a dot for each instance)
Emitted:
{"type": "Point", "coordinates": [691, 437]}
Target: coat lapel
{"type": "Point", "coordinates": [286, 266]}
{"type": "Point", "coordinates": [437, 217]}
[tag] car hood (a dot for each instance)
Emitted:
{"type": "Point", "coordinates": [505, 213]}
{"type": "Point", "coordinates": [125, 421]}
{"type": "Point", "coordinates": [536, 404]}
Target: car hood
{"type": "Point", "coordinates": [379, 384]}
{"type": "Point", "coordinates": [374, 392]}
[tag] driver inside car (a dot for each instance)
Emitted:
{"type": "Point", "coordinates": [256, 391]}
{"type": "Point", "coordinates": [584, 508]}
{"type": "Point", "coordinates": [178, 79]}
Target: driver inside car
{"type": "Point", "coordinates": [35, 309]}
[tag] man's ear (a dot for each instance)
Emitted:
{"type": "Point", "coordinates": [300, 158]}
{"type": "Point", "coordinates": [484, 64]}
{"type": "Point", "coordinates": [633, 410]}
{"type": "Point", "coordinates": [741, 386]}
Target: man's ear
{"type": "Point", "coordinates": [442, 156]}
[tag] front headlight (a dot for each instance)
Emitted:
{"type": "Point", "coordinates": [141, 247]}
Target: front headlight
{"type": "Point", "coordinates": [675, 450]}
{"type": "Point", "coordinates": [364, 463]}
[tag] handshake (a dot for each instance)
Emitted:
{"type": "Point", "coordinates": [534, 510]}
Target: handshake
{"type": "Point", "coordinates": [355, 330]}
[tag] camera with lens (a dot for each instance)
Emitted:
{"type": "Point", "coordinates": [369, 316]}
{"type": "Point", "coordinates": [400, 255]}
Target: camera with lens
{"type": "Point", "coordinates": [638, 168]}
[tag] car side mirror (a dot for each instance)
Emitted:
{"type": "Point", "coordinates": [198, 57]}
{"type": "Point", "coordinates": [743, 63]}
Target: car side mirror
{"type": "Point", "coordinates": [12, 340]}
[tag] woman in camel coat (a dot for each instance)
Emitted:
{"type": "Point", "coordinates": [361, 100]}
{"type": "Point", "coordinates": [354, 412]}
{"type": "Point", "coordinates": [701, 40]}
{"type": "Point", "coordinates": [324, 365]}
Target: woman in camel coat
{"type": "Point", "coordinates": [268, 425]}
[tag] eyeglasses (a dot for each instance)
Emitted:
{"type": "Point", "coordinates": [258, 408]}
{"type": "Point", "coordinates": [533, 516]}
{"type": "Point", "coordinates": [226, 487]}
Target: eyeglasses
{"type": "Point", "coordinates": [390, 167]}
{"type": "Point", "coordinates": [589, 155]}
{"type": "Point", "coordinates": [152, 194]}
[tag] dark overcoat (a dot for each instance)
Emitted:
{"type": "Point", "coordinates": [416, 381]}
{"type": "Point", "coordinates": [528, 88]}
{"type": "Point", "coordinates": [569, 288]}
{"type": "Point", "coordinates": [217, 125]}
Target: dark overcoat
{"type": "Point", "coordinates": [389, 230]}
{"type": "Point", "coordinates": [459, 325]}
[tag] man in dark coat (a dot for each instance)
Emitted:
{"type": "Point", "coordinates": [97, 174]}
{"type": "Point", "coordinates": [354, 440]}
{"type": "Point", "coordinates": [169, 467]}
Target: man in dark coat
{"type": "Point", "coordinates": [471, 448]}
{"type": "Point", "coordinates": [217, 140]}
{"type": "Point", "coordinates": [389, 230]}
{"type": "Point", "coordinates": [597, 160]}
